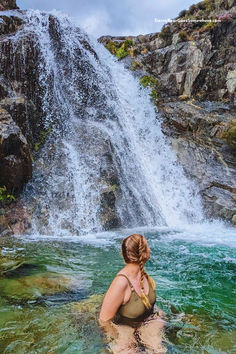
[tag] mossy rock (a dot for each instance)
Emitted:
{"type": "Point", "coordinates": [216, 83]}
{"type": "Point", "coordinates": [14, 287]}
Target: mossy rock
{"type": "Point", "coordinates": [91, 305]}
{"type": "Point", "coordinates": [34, 286]}
{"type": "Point", "coordinates": [111, 46]}
{"type": "Point", "coordinates": [230, 134]}
{"type": "Point", "coordinates": [136, 65]}
{"type": "Point", "coordinates": [8, 265]}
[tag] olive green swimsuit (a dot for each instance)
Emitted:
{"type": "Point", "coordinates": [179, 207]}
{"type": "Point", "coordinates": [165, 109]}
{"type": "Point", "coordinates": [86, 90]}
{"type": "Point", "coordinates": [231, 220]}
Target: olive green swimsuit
{"type": "Point", "coordinates": [134, 311]}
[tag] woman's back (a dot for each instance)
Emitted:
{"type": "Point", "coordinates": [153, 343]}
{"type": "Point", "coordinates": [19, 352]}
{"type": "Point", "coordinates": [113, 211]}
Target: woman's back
{"type": "Point", "coordinates": [134, 309]}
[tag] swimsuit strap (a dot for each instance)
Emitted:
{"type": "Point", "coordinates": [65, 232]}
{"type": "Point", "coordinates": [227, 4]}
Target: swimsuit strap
{"type": "Point", "coordinates": [130, 284]}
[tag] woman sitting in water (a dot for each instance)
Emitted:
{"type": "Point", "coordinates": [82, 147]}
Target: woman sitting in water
{"type": "Point", "coordinates": [128, 314]}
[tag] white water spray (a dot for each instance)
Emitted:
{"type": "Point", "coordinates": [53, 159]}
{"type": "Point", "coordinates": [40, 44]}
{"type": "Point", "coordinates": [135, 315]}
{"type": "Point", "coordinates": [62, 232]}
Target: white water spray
{"type": "Point", "coordinates": [96, 107]}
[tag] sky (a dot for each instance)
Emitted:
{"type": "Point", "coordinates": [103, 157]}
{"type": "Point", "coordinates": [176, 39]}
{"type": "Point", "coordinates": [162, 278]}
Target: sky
{"type": "Point", "coordinates": [112, 17]}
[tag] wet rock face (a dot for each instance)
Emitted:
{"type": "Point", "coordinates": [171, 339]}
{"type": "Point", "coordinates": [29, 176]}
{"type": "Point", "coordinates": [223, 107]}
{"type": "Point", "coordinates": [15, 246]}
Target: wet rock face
{"type": "Point", "coordinates": [20, 120]}
{"type": "Point", "coordinates": [8, 5]}
{"type": "Point", "coordinates": [15, 160]}
{"type": "Point", "coordinates": [199, 133]}
{"type": "Point", "coordinates": [193, 68]}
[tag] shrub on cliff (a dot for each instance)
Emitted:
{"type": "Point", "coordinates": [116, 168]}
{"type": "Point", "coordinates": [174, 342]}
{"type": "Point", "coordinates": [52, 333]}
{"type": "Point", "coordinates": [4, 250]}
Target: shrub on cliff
{"type": "Point", "coordinates": [5, 197]}
{"type": "Point", "coordinates": [111, 46]}
{"type": "Point", "coordinates": [208, 26]}
{"type": "Point", "coordinates": [183, 36]}
{"type": "Point", "coordinates": [182, 13]}
{"type": "Point", "coordinates": [151, 82]}
{"type": "Point", "coordinates": [120, 51]}
{"type": "Point", "coordinates": [165, 33]}
{"type": "Point", "coordinates": [123, 50]}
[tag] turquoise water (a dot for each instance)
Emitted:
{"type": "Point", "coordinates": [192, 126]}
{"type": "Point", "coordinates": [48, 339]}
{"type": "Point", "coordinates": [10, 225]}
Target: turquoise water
{"type": "Point", "coordinates": [51, 290]}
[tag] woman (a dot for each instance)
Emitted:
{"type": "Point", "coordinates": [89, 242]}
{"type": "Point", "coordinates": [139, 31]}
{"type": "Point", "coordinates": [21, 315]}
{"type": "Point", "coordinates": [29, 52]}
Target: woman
{"type": "Point", "coordinates": [127, 314]}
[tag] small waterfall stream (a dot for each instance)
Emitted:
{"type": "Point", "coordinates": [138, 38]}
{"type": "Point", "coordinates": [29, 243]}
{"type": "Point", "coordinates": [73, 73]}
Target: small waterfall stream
{"type": "Point", "coordinates": [101, 120]}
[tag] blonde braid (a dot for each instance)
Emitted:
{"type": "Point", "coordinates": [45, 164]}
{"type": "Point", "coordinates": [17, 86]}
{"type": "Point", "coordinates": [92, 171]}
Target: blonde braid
{"type": "Point", "coordinates": [144, 297]}
{"type": "Point", "coordinates": [152, 281]}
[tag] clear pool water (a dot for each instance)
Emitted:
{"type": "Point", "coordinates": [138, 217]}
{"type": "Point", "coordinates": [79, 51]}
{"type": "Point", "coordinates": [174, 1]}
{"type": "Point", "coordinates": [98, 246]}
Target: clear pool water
{"type": "Point", "coordinates": [51, 289]}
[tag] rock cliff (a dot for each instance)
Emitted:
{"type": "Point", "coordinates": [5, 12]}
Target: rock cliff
{"type": "Point", "coordinates": [190, 69]}
{"type": "Point", "coordinates": [24, 111]}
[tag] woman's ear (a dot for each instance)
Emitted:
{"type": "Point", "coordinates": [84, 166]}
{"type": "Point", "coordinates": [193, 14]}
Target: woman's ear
{"type": "Point", "coordinates": [145, 256]}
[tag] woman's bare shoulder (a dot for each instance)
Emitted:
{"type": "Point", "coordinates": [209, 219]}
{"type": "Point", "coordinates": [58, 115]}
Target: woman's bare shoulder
{"type": "Point", "coordinates": [120, 281]}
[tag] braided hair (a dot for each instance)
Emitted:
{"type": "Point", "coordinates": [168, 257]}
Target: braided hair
{"type": "Point", "coordinates": [133, 251]}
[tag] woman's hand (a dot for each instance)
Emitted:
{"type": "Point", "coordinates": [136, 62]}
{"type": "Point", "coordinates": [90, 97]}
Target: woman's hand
{"type": "Point", "coordinates": [108, 328]}
{"type": "Point", "coordinates": [159, 311]}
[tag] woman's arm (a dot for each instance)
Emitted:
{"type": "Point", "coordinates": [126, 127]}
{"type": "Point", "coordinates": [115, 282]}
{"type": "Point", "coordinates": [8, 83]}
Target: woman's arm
{"type": "Point", "coordinates": [113, 299]}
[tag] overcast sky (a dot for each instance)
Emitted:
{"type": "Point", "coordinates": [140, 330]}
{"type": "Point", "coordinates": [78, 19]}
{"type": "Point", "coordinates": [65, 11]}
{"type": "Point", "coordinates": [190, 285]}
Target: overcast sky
{"type": "Point", "coordinates": [112, 17]}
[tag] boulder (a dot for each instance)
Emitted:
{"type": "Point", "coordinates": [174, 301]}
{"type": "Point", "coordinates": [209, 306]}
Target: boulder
{"type": "Point", "coordinates": [201, 136]}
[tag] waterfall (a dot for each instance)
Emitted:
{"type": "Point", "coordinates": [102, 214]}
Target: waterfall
{"type": "Point", "coordinates": [103, 126]}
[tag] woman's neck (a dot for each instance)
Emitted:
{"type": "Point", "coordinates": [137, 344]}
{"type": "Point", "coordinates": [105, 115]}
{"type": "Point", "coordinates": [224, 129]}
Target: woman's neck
{"type": "Point", "coordinates": [133, 269]}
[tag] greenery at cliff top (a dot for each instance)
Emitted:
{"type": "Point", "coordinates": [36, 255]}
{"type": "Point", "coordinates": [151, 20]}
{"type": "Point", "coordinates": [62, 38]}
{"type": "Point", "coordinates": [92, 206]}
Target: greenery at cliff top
{"type": "Point", "coordinates": [165, 32]}
{"type": "Point", "coordinates": [203, 7]}
{"type": "Point", "coordinates": [119, 51]}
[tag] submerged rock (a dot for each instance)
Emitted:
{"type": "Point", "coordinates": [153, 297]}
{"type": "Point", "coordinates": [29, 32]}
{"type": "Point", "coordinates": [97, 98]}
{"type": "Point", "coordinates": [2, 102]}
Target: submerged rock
{"type": "Point", "coordinates": [7, 264]}
{"type": "Point", "coordinates": [90, 306]}
{"type": "Point", "coordinates": [34, 286]}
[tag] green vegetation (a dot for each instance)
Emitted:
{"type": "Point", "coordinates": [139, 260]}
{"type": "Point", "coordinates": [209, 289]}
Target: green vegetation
{"type": "Point", "coordinates": [36, 146]}
{"type": "Point", "coordinates": [182, 13]}
{"type": "Point", "coordinates": [43, 136]}
{"type": "Point", "coordinates": [135, 65]}
{"type": "Point", "coordinates": [183, 36]}
{"type": "Point", "coordinates": [111, 46]}
{"type": "Point", "coordinates": [151, 82]}
{"type": "Point", "coordinates": [5, 197]}
{"type": "Point", "coordinates": [206, 5]}
{"type": "Point", "coordinates": [230, 134]}
{"type": "Point", "coordinates": [120, 51]}
{"type": "Point", "coordinates": [209, 25]}
{"type": "Point", "coordinates": [148, 81]}
{"type": "Point", "coordinates": [198, 11]}
{"type": "Point", "coordinates": [192, 9]}
{"type": "Point", "coordinates": [165, 33]}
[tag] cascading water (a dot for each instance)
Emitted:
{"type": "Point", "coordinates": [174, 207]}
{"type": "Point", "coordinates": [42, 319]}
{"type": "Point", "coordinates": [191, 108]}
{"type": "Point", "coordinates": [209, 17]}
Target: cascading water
{"type": "Point", "coordinates": [96, 109]}
{"type": "Point", "coordinates": [104, 135]}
